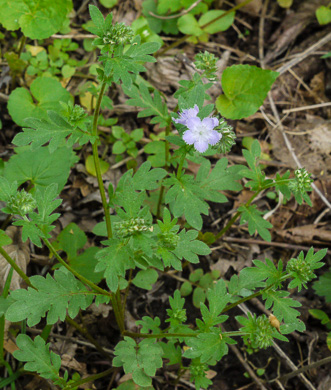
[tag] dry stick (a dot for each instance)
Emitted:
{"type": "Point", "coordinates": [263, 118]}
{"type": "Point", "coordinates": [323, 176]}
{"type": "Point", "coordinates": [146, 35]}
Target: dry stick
{"type": "Point", "coordinates": [261, 242]}
{"type": "Point", "coordinates": [286, 377]}
{"type": "Point", "coordinates": [284, 68]}
{"type": "Point", "coordinates": [247, 367]}
{"type": "Point", "coordinates": [290, 148]}
{"type": "Point", "coordinates": [312, 107]}
{"type": "Point", "coordinates": [281, 353]}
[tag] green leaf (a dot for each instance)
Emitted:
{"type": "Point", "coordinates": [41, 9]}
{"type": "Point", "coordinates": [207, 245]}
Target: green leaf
{"type": "Point", "coordinates": [114, 260]}
{"type": "Point", "coordinates": [4, 239]}
{"type": "Point", "coordinates": [199, 297]}
{"type": "Point", "coordinates": [122, 66]}
{"type": "Point", "coordinates": [220, 25]}
{"type": "Point", "coordinates": [323, 286]}
{"type": "Point", "coordinates": [7, 189]}
{"type": "Point", "coordinates": [85, 265]}
{"type": "Point", "coordinates": [57, 296]}
{"type": "Point", "coordinates": [97, 17]}
{"type": "Point", "coordinates": [157, 25]}
{"type": "Point", "coordinates": [255, 221]}
{"type": "Point", "coordinates": [320, 315]}
{"type": "Point", "coordinates": [323, 15]}
{"type": "Point", "coordinates": [40, 167]}
{"type": "Point", "coordinates": [141, 360]}
{"type": "Point", "coordinates": [39, 358]}
{"type": "Point", "coordinates": [157, 150]}
{"type": "Point", "coordinates": [90, 166]}
{"type": "Point", "coordinates": [119, 147]}
{"type": "Point", "coordinates": [264, 271]}
{"type": "Point", "coordinates": [148, 324]}
{"type": "Point", "coordinates": [187, 24]}
{"type": "Point", "coordinates": [71, 239]}
{"type": "Point", "coordinates": [171, 352]}
{"type": "Point", "coordinates": [56, 130]}
{"type": "Point", "coordinates": [147, 179]}
{"type": "Point", "coordinates": [38, 19]}
{"type": "Point", "coordinates": [188, 247]}
{"type": "Point", "coordinates": [153, 106]}
{"type": "Point", "coordinates": [209, 347]}
{"type": "Point", "coordinates": [108, 3]}
{"type": "Point", "coordinates": [282, 305]}
{"type": "Point", "coordinates": [245, 87]}
{"type": "Point", "coordinates": [145, 279]}
{"type": "Point", "coordinates": [218, 298]}
{"type": "Point", "coordinates": [46, 94]}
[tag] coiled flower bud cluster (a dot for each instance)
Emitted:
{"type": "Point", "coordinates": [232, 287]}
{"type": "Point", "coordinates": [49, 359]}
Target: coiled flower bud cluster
{"type": "Point", "coordinates": [118, 34]}
{"type": "Point", "coordinates": [228, 137]}
{"type": "Point", "coordinates": [169, 239]}
{"type": "Point", "coordinates": [21, 203]}
{"type": "Point", "coordinates": [300, 269]}
{"type": "Point", "coordinates": [207, 62]}
{"type": "Point", "coordinates": [131, 226]}
{"type": "Point", "coordinates": [302, 182]}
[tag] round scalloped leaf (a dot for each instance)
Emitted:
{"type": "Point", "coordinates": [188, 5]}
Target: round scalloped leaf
{"type": "Point", "coordinates": [38, 19]}
{"type": "Point", "coordinates": [45, 94]}
{"type": "Point", "coordinates": [245, 87]}
{"type": "Point", "coordinates": [221, 24]}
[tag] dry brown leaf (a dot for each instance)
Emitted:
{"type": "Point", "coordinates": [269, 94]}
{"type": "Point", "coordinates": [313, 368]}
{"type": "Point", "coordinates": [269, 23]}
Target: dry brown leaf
{"type": "Point", "coordinates": [19, 252]}
{"type": "Point", "coordinates": [293, 25]}
{"type": "Point", "coordinates": [306, 234]}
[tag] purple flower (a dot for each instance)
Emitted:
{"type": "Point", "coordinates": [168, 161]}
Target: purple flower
{"type": "Point", "coordinates": [187, 114]}
{"type": "Point", "coordinates": [201, 133]}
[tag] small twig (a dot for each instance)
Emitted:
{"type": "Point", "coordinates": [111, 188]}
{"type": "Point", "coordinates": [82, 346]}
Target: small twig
{"type": "Point", "coordinates": [73, 36]}
{"type": "Point", "coordinates": [304, 54]}
{"type": "Point", "coordinates": [290, 148]}
{"type": "Point", "coordinates": [186, 11]}
{"type": "Point", "coordinates": [261, 242]}
{"type": "Point", "coordinates": [311, 107]}
{"type": "Point", "coordinates": [292, 374]}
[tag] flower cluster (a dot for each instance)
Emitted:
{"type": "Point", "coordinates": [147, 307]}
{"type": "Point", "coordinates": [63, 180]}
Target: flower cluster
{"type": "Point", "coordinates": [118, 34]}
{"type": "Point", "coordinates": [260, 331]}
{"type": "Point", "coordinates": [131, 226]}
{"type": "Point", "coordinates": [300, 270]}
{"type": "Point", "coordinates": [21, 203]}
{"type": "Point", "coordinates": [169, 239]}
{"type": "Point", "coordinates": [200, 133]}
{"type": "Point", "coordinates": [75, 114]}
{"type": "Point", "coordinates": [302, 181]}
{"type": "Point", "coordinates": [207, 62]}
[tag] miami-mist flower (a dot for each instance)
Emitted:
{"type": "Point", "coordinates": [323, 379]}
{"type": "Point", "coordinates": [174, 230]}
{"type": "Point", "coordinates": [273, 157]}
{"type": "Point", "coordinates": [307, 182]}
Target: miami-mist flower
{"type": "Point", "coordinates": [200, 133]}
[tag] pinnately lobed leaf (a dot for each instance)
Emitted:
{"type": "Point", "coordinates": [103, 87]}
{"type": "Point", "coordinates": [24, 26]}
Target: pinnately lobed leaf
{"type": "Point", "coordinates": [53, 295]}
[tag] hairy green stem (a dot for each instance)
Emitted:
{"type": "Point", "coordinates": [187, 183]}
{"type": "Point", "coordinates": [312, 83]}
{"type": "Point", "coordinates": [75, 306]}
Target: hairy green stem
{"type": "Point", "coordinates": [185, 37]}
{"type": "Point", "coordinates": [90, 379]}
{"type": "Point", "coordinates": [257, 294]}
{"type": "Point", "coordinates": [97, 161]}
{"type": "Point", "coordinates": [93, 286]}
{"type": "Point", "coordinates": [21, 45]}
{"type": "Point", "coordinates": [16, 267]}
{"type": "Point", "coordinates": [167, 155]}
